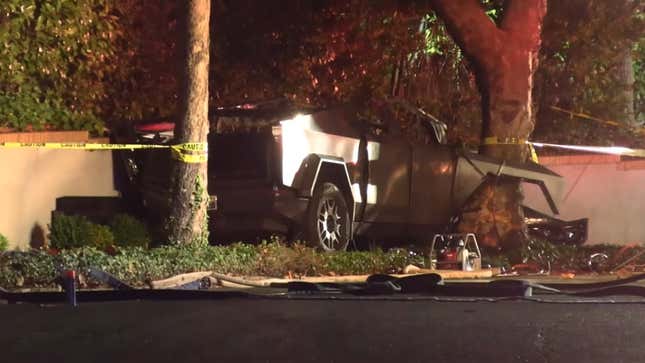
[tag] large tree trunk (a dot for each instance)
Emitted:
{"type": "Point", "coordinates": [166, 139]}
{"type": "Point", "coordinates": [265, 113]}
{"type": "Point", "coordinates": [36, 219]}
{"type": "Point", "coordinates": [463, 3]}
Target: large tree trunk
{"type": "Point", "coordinates": [626, 76]}
{"type": "Point", "coordinates": [187, 221]}
{"type": "Point", "coordinates": [504, 59]}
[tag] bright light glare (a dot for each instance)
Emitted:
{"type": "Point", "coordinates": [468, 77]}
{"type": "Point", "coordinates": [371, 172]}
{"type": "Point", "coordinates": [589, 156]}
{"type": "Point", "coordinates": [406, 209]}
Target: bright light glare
{"type": "Point", "coordinates": [372, 193]}
{"type": "Point", "coordinates": [295, 145]}
{"type": "Point", "coordinates": [301, 121]}
{"type": "Point", "coordinates": [356, 193]}
{"type": "Point", "coordinates": [613, 150]}
{"type": "Point", "coordinates": [373, 151]}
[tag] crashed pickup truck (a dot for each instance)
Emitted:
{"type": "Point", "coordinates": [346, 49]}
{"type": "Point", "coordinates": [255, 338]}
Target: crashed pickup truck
{"type": "Point", "coordinates": [329, 176]}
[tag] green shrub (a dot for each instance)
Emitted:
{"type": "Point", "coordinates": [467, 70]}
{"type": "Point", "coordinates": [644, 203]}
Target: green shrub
{"type": "Point", "coordinates": [62, 85]}
{"type": "Point", "coordinates": [4, 243]}
{"type": "Point", "coordinates": [100, 236]}
{"type": "Point", "coordinates": [77, 231]}
{"type": "Point", "coordinates": [68, 231]}
{"type": "Point", "coordinates": [129, 231]}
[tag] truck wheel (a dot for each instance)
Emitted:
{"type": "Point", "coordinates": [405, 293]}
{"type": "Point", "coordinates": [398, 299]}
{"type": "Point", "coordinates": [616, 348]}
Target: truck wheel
{"type": "Point", "coordinates": [327, 224]}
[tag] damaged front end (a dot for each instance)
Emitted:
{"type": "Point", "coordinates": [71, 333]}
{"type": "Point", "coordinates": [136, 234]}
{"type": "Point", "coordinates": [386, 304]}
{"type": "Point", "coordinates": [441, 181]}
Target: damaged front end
{"type": "Point", "coordinates": [556, 231]}
{"type": "Point", "coordinates": [472, 169]}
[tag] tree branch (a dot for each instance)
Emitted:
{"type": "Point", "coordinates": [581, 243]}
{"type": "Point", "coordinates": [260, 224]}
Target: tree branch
{"type": "Point", "coordinates": [470, 27]}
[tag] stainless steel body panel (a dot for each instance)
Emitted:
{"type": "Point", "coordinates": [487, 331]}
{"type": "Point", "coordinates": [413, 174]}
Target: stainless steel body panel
{"type": "Point", "coordinates": [399, 189]}
{"type": "Point", "coordinates": [388, 188]}
{"type": "Point", "coordinates": [433, 174]}
{"type": "Point", "coordinates": [300, 138]}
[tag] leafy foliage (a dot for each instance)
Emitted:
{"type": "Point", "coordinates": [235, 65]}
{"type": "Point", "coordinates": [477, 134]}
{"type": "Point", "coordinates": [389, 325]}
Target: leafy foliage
{"type": "Point", "coordinates": [74, 64]}
{"type": "Point", "coordinates": [99, 236]}
{"type": "Point", "coordinates": [129, 231]}
{"type": "Point", "coordinates": [4, 243]}
{"type": "Point", "coordinates": [439, 79]}
{"type": "Point", "coordinates": [70, 64]}
{"type": "Point", "coordinates": [136, 265]}
{"type": "Point", "coordinates": [53, 59]}
{"type": "Point", "coordinates": [68, 231]}
{"type": "Point", "coordinates": [36, 268]}
{"type": "Point", "coordinates": [77, 231]}
{"type": "Point", "coordinates": [639, 76]}
{"type": "Point", "coordinates": [143, 82]}
{"type": "Point", "coordinates": [584, 44]}
{"type": "Point", "coordinates": [326, 53]}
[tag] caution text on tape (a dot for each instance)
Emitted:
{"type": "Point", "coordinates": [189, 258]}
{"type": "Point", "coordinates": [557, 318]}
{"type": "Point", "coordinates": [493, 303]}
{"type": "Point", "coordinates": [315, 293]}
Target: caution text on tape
{"type": "Point", "coordinates": [192, 152]}
{"type": "Point", "coordinates": [494, 140]}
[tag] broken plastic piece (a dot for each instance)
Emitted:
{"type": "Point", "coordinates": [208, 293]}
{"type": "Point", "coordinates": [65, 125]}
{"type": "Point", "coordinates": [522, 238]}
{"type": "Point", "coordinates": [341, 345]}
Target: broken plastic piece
{"type": "Point", "coordinates": [108, 279]}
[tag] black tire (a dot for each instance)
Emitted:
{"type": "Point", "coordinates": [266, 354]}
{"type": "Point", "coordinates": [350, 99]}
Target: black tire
{"type": "Point", "coordinates": [327, 224]}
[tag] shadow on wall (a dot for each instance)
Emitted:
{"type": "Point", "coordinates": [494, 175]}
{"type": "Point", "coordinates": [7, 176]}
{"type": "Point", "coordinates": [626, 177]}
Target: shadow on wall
{"type": "Point", "coordinates": [37, 239]}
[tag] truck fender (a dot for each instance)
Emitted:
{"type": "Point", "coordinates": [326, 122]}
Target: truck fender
{"type": "Point", "coordinates": [317, 167]}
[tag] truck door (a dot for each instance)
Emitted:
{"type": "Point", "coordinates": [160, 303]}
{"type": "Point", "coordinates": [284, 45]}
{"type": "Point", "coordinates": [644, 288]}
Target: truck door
{"type": "Point", "coordinates": [433, 169]}
{"type": "Point", "coordinates": [388, 186]}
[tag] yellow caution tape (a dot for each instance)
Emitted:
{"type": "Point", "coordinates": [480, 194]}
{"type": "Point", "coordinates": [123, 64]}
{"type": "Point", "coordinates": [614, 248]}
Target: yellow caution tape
{"type": "Point", "coordinates": [191, 152]}
{"type": "Point", "coordinates": [193, 146]}
{"type": "Point", "coordinates": [617, 124]}
{"type": "Point", "coordinates": [494, 140]}
{"type": "Point", "coordinates": [534, 155]}
{"type": "Point", "coordinates": [79, 146]}
{"type": "Point", "coordinates": [588, 117]}
{"type": "Point", "coordinates": [190, 159]}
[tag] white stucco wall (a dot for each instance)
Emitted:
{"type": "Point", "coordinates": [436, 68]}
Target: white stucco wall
{"type": "Point", "coordinates": [31, 180]}
{"type": "Point", "coordinates": [609, 192]}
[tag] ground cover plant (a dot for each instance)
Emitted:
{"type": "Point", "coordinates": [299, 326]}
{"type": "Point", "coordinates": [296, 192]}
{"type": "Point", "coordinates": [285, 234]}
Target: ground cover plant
{"type": "Point", "coordinates": [136, 265]}
{"type": "Point", "coordinates": [273, 258]}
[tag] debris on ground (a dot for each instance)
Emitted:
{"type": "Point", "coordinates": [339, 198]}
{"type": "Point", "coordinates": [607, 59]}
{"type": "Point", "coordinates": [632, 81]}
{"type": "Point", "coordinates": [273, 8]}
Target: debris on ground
{"type": "Point", "coordinates": [411, 269]}
{"type": "Point", "coordinates": [528, 268]}
{"type": "Point", "coordinates": [179, 280]}
{"type": "Point", "coordinates": [598, 262]}
{"type": "Point", "coordinates": [136, 267]}
{"type": "Point", "coordinates": [108, 279]}
{"type": "Point", "coordinates": [631, 261]}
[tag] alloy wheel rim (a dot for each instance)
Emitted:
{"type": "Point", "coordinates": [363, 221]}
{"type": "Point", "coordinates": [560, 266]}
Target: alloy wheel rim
{"type": "Point", "coordinates": [329, 223]}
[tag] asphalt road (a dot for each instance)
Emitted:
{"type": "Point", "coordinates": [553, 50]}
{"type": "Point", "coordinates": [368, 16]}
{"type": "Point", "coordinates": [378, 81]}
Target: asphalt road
{"type": "Point", "coordinates": [238, 330]}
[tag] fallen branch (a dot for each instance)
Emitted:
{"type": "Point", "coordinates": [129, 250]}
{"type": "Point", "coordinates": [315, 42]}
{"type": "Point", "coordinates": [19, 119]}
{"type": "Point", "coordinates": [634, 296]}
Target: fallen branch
{"type": "Point", "coordinates": [179, 280]}
{"type": "Point", "coordinates": [629, 260]}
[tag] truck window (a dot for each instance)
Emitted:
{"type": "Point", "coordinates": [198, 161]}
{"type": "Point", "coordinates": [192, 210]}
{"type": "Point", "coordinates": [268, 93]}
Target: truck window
{"type": "Point", "coordinates": [239, 156]}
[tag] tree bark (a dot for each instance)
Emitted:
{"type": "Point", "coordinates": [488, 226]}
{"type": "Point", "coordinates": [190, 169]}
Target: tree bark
{"type": "Point", "coordinates": [187, 221]}
{"type": "Point", "coordinates": [627, 81]}
{"type": "Point", "coordinates": [504, 59]}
